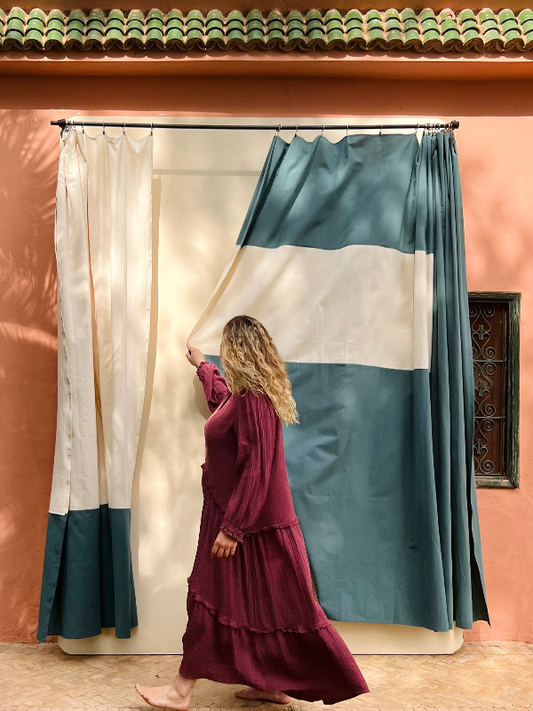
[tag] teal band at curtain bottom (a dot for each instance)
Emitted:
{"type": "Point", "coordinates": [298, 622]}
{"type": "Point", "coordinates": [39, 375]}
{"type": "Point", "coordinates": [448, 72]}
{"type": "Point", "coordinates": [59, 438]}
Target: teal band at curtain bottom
{"type": "Point", "coordinates": [87, 578]}
{"type": "Point", "coordinates": [386, 528]}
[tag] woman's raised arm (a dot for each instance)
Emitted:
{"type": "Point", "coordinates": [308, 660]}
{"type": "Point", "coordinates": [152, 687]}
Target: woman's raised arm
{"type": "Point", "coordinates": [214, 385]}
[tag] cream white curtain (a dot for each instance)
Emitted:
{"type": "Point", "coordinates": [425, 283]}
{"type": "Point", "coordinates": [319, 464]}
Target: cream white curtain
{"type": "Point", "coordinates": [103, 236]}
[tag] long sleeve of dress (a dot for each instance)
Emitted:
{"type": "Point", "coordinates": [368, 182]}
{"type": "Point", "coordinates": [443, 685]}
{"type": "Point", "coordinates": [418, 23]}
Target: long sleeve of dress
{"type": "Point", "coordinates": [256, 427]}
{"type": "Point", "coordinates": [214, 385]}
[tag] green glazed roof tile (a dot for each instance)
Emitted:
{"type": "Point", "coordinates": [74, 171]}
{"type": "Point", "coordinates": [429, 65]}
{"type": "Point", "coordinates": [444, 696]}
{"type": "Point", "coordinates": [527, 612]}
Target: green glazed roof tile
{"type": "Point", "coordinates": [314, 15]}
{"type": "Point", "coordinates": [410, 24]}
{"type": "Point", "coordinates": [407, 12]}
{"type": "Point", "coordinates": [469, 24]}
{"type": "Point", "coordinates": [486, 14]}
{"type": "Point", "coordinates": [466, 15]}
{"type": "Point", "coordinates": [504, 15]}
{"type": "Point", "coordinates": [353, 15]}
{"type": "Point", "coordinates": [258, 15]}
{"type": "Point", "coordinates": [74, 17]}
{"type": "Point", "coordinates": [491, 35]}
{"type": "Point", "coordinates": [525, 15]}
{"type": "Point", "coordinates": [214, 16]}
{"type": "Point", "coordinates": [392, 13]}
{"type": "Point", "coordinates": [420, 30]}
{"type": "Point", "coordinates": [293, 22]}
{"type": "Point", "coordinates": [373, 15]}
{"type": "Point", "coordinates": [426, 14]}
{"type": "Point", "coordinates": [374, 23]}
{"type": "Point", "coordinates": [355, 38]}
{"type": "Point", "coordinates": [411, 37]}
{"type": "Point", "coordinates": [332, 15]}
{"type": "Point", "coordinates": [137, 16]}
{"type": "Point", "coordinates": [394, 37]}
{"type": "Point", "coordinates": [393, 24]}
{"type": "Point", "coordinates": [431, 36]}
{"type": "Point", "coordinates": [16, 14]}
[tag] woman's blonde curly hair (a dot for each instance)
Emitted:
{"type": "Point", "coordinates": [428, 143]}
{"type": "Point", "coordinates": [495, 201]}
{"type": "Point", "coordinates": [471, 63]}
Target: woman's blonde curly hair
{"type": "Point", "coordinates": [251, 362]}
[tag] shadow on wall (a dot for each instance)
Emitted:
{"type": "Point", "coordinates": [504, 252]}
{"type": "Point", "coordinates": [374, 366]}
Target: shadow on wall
{"type": "Point", "coordinates": [496, 198]}
{"type": "Point", "coordinates": [496, 190]}
{"type": "Point", "coordinates": [29, 152]}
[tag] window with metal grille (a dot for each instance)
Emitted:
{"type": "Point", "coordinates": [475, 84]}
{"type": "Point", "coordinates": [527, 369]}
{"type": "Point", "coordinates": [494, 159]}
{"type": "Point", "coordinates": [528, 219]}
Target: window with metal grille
{"type": "Point", "coordinates": [494, 323]}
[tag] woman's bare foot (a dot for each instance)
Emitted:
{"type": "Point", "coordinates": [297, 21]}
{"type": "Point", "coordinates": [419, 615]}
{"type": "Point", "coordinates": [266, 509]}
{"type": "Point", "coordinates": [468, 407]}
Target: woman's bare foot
{"type": "Point", "coordinates": [171, 696]}
{"type": "Point", "coordinates": [277, 697]}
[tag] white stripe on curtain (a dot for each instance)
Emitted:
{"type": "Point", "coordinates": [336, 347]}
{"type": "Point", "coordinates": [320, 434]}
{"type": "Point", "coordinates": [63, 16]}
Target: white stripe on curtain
{"type": "Point", "coordinates": [362, 304]}
{"type": "Point", "coordinates": [103, 240]}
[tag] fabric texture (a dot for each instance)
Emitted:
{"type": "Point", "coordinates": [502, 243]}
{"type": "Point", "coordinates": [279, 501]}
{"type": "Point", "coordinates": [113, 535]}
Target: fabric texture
{"type": "Point", "coordinates": [253, 618]}
{"type": "Point", "coordinates": [103, 239]}
{"type": "Point", "coordinates": [352, 256]}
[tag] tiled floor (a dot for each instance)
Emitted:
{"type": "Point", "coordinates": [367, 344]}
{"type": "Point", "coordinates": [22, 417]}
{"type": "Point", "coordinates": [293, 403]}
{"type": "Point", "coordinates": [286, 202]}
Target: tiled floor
{"type": "Point", "coordinates": [478, 677]}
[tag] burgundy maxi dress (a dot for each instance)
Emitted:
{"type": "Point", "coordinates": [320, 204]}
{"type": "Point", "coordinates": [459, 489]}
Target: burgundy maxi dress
{"type": "Point", "coordinates": [253, 618]}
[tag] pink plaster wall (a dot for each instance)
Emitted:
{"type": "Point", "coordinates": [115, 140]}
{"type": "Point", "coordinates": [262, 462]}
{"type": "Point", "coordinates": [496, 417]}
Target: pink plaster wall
{"type": "Point", "coordinates": [495, 154]}
{"type": "Point", "coordinates": [266, 5]}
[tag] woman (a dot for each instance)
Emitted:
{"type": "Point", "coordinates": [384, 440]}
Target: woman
{"type": "Point", "coordinates": [253, 618]}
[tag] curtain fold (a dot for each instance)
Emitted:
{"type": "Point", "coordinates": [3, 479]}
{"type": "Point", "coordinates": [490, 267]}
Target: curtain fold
{"type": "Point", "coordinates": [103, 236]}
{"type": "Point", "coordinates": [452, 388]}
{"type": "Point", "coordinates": [352, 255]}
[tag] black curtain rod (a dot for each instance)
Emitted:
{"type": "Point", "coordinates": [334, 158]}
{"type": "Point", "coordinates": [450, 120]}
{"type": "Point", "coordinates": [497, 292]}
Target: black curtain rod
{"type": "Point", "coordinates": [63, 124]}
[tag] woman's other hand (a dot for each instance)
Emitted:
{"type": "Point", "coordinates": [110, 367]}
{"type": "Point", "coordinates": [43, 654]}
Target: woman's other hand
{"type": "Point", "coordinates": [224, 546]}
{"type": "Point", "coordinates": [194, 355]}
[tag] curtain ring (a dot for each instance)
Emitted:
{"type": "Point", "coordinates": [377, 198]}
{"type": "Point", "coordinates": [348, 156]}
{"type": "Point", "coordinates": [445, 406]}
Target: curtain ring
{"type": "Point", "coordinates": [151, 129]}
{"type": "Point", "coordinates": [123, 128]}
{"type": "Point", "coordinates": [83, 127]}
{"type": "Point", "coordinates": [347, 126]}
{"type": "Point", "coordinates": [322, 128]}
{"type": "Point", "coordinates": [278, 129]}
{"type": "Point", "coordinates": [297, 127]}
{"type": "Point", "coordinates": [380, 130]}
{"type": "Point", "coordinates": [103, 128]}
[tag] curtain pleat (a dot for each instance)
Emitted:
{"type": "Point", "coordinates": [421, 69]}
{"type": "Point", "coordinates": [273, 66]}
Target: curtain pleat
{"type": "Point", "coordinates": [452, 389]}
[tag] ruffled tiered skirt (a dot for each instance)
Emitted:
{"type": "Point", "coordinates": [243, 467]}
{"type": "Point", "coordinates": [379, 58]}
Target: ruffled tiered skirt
{"type": "Point", "coordinates": [253, 619]}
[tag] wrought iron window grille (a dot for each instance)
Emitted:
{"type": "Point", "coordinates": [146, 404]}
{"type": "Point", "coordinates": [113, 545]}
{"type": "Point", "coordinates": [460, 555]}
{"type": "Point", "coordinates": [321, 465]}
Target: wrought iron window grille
{"type": "Point", "coordinates": [495, 325]}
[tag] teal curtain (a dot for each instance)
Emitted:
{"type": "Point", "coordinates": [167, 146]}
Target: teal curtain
{"type": "Point", "coordinates": [452, 382]}
{"type": "Point", "coordinates": [381, 464]}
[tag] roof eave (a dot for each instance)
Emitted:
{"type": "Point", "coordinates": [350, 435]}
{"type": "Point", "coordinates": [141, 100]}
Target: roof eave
{"type": "Point", "coordinates": [372, 64]}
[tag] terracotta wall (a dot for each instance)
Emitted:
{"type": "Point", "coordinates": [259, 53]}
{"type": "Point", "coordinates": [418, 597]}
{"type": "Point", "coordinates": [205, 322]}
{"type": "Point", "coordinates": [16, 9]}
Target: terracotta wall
{"type": "Point", "coordinates": [267, 5]}
{"type": "Point", "coordinates": [495, 154]}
